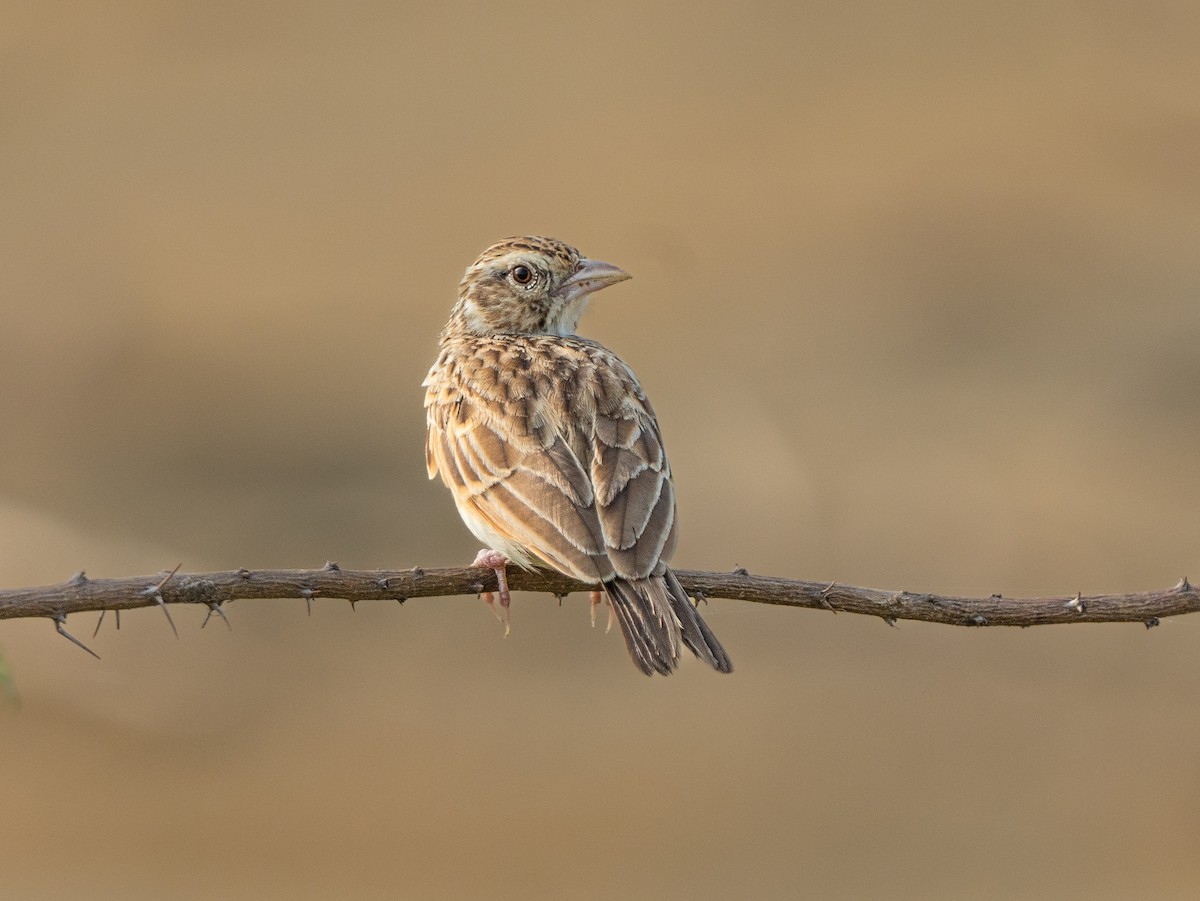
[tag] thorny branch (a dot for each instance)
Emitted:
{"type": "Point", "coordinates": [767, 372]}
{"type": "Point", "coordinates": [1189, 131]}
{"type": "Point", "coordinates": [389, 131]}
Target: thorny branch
{"type": "Point", "coordinates": [80, 594]}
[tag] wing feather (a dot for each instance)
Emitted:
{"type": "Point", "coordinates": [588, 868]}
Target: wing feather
{"type": "Point", "coordinates": [629, 512]}
{"type": "Point", "coordinates": [571, 550]}
{"type": "Point", "coordinates": [634, 496]}
{"type": "Point", "coordinates": [521, 479]}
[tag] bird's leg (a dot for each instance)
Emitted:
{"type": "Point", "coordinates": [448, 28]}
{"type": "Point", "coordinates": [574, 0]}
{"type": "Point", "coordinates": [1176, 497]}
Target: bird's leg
{"type": "Point", "coordinates": [496, 561]}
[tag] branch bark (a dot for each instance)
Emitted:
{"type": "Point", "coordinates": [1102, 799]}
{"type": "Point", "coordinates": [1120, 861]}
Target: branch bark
{"type": "Point", "coordinates": [79, 594]}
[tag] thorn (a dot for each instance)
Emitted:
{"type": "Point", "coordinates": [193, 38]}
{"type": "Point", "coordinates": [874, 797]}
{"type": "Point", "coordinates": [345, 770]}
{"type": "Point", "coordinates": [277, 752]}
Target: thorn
{"type": "Point", "coordinates": [80, 578]}
{"type": "Point", "coordinates": [741, 571]}
{"type": "Point", "coordinates": [353, 609]}
{"type": "Point", "coordinates": [307, 594]}
{"type": "Point", "coordinates": [1077, 603]}
{"type": "Point", "coordinates": [331, 567]}
{"type": "Point", "coordinates": [417, 572]}
{"type": "Point", "coordinates": [977, 620]}
{"type": "Point", "coordinates": [59, 620]}
{"type": "Point", "coordinates": [1184, 585]}
{"type": "Point", "coordinates": [400, 599]}
{"type": "Point", "coordinates": [891, 621]}
{"type": "Point", "coordinates": [156, 590]}
{"type": "Point", "coordinates": [162, 605]}
{"type": "Point", "coordinates": [98, 622]}
{"type": "Point", "coordinates": [824, 599]}
{"type": "Point", "coordinates": [476, 588]}
{"type": "Point", "coordinates": [997, 596]}
{"type": "Point", "coordinates": [1151, 622]}
{"type": "Point", "coordinates": [244, 573]}
{"type": "Point", "coordinates": [214, 607]}
{"type": "Point", "coordinates": [698, 596]}
{"type": "Point", "coordinates": [559, 596]}
{"type": "Point", "coordinates": [117, 617]}
{"type": "Point", "coordinates": [383, 583]}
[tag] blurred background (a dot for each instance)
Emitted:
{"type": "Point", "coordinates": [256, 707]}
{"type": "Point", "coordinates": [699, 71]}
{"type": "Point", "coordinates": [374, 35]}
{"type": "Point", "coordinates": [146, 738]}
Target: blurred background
{"type": "Point", "coordinates": [916, 295]}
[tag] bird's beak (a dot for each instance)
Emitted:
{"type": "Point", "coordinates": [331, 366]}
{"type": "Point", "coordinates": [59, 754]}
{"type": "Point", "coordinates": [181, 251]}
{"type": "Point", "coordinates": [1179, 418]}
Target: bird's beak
{"type": "Point", "coordinates": [589, 276]}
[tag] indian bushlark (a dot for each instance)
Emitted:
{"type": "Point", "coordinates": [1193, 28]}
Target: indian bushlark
{"type": "Point", "coordinates": [551, 447]}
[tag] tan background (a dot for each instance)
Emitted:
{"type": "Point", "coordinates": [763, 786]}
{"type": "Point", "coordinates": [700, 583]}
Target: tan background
{"type": "Point", "coordinates": [916, 294]}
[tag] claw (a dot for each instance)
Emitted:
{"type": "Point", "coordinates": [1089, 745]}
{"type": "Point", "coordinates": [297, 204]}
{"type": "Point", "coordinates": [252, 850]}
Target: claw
{"type": "Point", "coordinates": [490, 600]}
{"type": "Point", "coordinates": [598, 597]}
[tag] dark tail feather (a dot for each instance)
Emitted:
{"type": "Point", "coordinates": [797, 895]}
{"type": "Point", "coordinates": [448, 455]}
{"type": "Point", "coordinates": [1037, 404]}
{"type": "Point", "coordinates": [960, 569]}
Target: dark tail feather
{"type": "Point", "coordinates": [649, 633]}
{"type": "Point", "coordinates": [648, 610]}
{"type": "Point", "coordinates": [696, 633]}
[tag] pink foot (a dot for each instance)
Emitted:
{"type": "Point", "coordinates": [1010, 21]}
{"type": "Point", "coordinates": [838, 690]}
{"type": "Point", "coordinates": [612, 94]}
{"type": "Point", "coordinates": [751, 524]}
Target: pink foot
{"type": "Point", "coordinates": [496, 561]}
{"type": "Point", "coordinates": [597, 597]}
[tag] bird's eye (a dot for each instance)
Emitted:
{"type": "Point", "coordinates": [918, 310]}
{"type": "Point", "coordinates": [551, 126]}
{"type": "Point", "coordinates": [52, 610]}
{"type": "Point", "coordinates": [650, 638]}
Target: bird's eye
{"type": "Point", "coordinates": [522, 275]}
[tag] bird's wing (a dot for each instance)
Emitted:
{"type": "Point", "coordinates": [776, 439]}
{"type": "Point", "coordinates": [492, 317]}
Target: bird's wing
{"type": "Point", "coordinates": [521, 479]}
{"type": "Point", "coordinates": [631, 479]}
{"type": "Point", "coordinates": [571, 468]}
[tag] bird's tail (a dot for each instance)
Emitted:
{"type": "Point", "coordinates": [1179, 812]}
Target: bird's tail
{"type": "Point", "coordinates": [654, 614]}
{"type": "Point", "coordinates": [696, 633]}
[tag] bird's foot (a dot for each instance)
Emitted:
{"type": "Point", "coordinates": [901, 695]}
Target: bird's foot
{"type": "Point", "coordinates": [597, 597]}
{"type": "Point", "coordinates": [496, 561]}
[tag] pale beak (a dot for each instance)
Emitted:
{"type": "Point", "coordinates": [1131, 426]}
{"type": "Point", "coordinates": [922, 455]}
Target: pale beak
{"type": "Point", "coordinates": [589, 276]}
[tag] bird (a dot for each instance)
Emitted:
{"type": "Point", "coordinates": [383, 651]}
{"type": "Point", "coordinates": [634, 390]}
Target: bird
{"type": "Point", "coordinates": [552, 450]}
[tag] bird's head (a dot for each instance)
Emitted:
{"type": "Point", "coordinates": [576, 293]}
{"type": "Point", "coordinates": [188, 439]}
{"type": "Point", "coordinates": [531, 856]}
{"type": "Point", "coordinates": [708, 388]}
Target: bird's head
{"type": "Point", "coordinates": [529, 286]}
